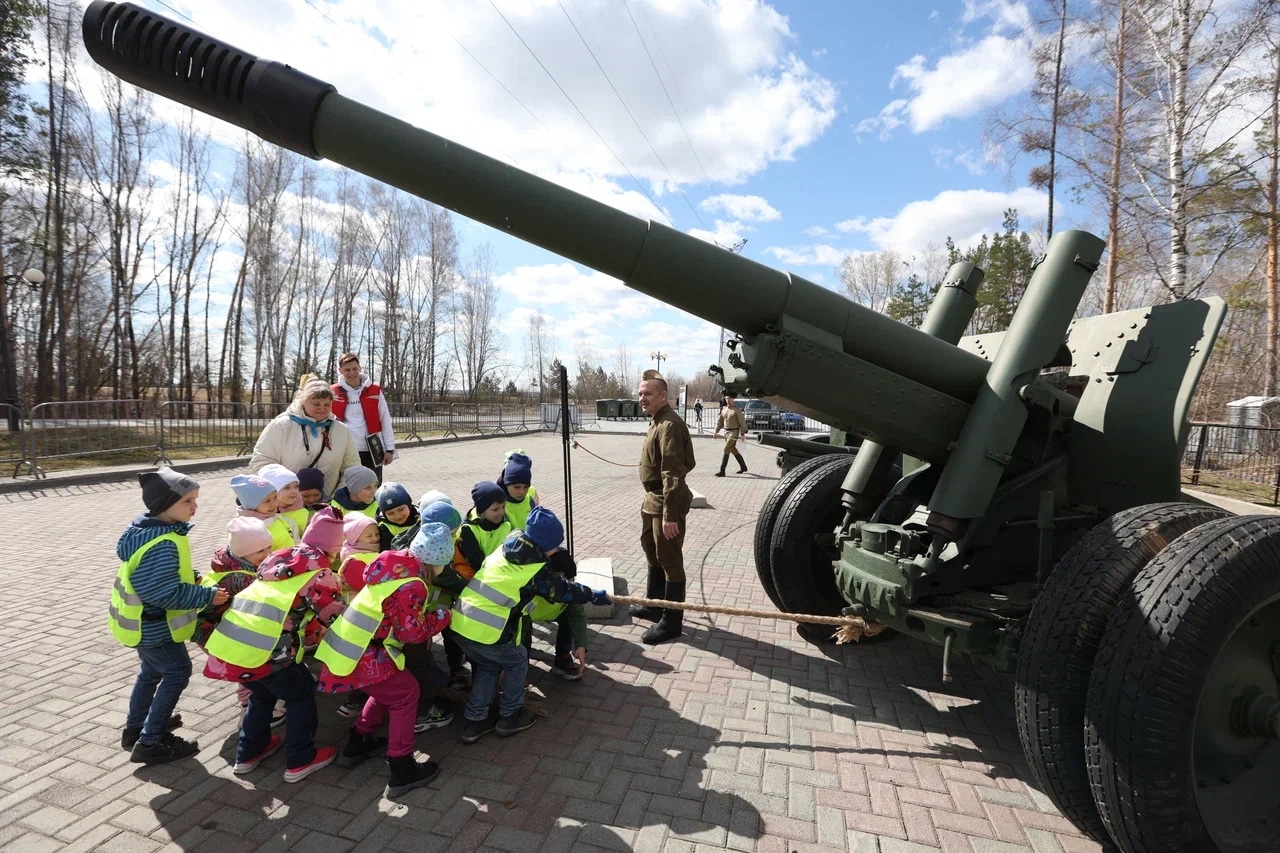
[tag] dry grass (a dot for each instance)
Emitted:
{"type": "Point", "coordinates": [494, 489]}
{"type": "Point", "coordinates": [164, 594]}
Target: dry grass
{"type": "Point", "coordinates": [1217, 484]}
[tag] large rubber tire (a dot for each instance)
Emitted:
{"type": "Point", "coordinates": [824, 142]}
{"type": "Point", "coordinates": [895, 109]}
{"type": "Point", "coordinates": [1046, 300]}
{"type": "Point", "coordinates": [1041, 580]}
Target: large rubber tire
{"type": "Point", "coordinates": [1061, 639]}
{"type": "Point", "coordinates": [1141, 716]}
{"type": "Point", "coordinates": [802, 547]}
{"type": "Point", "coordinates": [768, 517]}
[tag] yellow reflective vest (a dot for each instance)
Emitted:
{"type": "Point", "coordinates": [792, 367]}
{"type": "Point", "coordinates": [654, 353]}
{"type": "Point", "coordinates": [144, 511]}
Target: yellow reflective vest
{"type": "Point", "coordinates": [251, 627]}
{"type": "Point", "coordinates": [284, 532]}
{"type": "Point", "coordinates": [351, 633]}
{"type": "Point", "coordinates": [518, 511]}
{"type": "Point", "coordinates": [545, 611]}
{"type": "Point", "coordinates": [125, 614]}
{"type": "Point", "coordinates": [485, 606]}
{"type": "Point", "coordinates": [488, 540]}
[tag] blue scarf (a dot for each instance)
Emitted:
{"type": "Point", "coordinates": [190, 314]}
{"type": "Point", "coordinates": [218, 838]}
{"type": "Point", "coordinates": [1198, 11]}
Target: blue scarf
{"type": "Point", "coordinates": [314, 426]}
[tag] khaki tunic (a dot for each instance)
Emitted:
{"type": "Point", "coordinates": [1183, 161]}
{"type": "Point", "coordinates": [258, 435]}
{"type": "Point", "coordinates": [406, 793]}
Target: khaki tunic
{"type": "Point", "coordinates": [734, 424]}
{"type": "Point", "coordinates": [665, 460]}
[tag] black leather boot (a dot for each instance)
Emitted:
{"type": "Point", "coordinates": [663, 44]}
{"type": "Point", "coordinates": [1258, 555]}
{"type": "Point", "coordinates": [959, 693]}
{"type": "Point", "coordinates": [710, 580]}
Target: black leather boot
{"type": "Point", "coordinates": [742, 463]}
{"type": "Point", "coordinates": [671, 625]}
{"type": "Point", "coordinates": [653, 589]}
{"type": "Point", "coordinates": [724, 463]}
{"type": "Point", "coordinates": [408, 773]}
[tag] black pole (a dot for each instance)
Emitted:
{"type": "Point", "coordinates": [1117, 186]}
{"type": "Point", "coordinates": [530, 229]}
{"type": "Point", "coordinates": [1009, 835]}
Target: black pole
{"type": "Point", "coordinates": [566, 428]}
{"type": "Point", "coordinates": [10, 368]}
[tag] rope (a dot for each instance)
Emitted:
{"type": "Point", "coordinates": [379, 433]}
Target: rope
{"type": "Point", "coordinates": [851, 628]}
{"type": "Point", "coordinates": [577, 446]}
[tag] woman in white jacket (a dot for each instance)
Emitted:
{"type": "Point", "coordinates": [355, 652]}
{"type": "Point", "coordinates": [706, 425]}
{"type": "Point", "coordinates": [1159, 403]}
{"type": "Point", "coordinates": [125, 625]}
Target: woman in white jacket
{"type": "Point", "coordinates": [306, 435]}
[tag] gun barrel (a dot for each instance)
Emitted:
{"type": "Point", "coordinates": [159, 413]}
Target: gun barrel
{"type": "Point", "coordinates": [308, 116]}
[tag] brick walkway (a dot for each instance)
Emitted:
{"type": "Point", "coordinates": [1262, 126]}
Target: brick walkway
{"type": "Point", "coordinates": [739, 736]}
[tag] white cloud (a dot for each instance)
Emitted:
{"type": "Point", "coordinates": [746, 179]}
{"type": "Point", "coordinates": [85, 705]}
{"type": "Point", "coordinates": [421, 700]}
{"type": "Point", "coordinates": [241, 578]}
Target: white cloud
{"type": "Point", "coordinates": [963, 215]}
{"type": "Point", "coordinates": [741, 98]}
{"type": "Point", "coordinates": [727, 234]}
{"type": "Point", "coordinates": [976, 76]}
{"type": "Point", "coordinates": [745, 208]}
{"type": "Point", "coordinates": [817, 231]}
{"type": "Point", "coordinates": [819, 255]}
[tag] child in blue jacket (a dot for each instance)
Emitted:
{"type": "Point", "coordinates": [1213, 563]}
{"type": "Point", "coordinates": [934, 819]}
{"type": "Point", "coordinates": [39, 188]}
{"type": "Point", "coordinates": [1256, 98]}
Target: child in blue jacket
{"type": "Point", "coordinates": [155, 606]}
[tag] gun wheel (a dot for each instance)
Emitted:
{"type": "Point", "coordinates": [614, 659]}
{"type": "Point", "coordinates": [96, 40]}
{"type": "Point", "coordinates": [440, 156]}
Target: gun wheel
{"type": "Point", "coordinates": [1062, 636]}
{"type": "Point", "coordinates": [1182, 717]}
{"type": "Point", "coordinates": [768, 517]}
{"type": "Point", "coordinates": [802, 548]}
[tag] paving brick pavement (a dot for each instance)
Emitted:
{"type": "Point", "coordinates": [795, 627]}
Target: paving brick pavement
{"type": "Point", "coordinates": [739, 736]}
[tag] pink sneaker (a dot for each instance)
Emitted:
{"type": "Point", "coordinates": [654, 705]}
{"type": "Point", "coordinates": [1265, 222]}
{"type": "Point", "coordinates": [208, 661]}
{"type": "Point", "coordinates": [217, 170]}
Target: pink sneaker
{"type": "Point", "coordinates": [249, 765]}
{"type": "Point", "coordinates": [324, 757]}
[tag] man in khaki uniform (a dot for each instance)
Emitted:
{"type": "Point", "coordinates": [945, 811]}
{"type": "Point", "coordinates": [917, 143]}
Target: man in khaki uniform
{"type": "Point", "coordinates": [734, 425]}
{"type": "Point", "coordinates": [665, 461]}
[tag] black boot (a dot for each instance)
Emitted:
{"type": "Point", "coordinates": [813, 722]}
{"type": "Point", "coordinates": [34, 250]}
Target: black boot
{"type": "Point", "coordinates": [359, 747]}
{"type": "Point", "coordinates": [671, 625]}
{"type": "Point", "coordinates": [724, 463]}
{"type": "Point", "coordinates": [742, 463]}
{"type": "Point", "coordinates": [653, 589]}
{"type": "Point", "coordinates": [407, 773]}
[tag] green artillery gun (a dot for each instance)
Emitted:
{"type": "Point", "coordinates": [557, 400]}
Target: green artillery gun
{"type": "Point", "coordinates": [1014, 497]}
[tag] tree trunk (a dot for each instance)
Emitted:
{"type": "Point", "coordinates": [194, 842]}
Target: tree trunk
{"type": "Point", "coordinates": [1057, 113]}
{"type": "Point", "coordinates": [1177, 140]}
{"type": "Point", "coordinates": [1273, 238]}
{"type": "Point", "coordinates": [1113, 189]}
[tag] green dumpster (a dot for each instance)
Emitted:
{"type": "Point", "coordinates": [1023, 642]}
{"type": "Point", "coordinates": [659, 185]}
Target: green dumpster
{"type": "Point", "coordinates": [608, 409]}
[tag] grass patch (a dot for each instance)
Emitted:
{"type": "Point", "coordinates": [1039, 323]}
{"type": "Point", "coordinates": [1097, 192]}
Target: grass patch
{"type": "Point", "coordinates": [1217, 484]}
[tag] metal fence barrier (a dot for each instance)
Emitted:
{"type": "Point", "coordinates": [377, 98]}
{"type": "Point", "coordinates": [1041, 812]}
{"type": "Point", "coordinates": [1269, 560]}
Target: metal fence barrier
{"type": "Point", "coordinates": [91, 428]}
{"type": "Point", "coordinates": [87, 428]}
{"type": "Point", "coordinates": [101, 428]}
{"type": "Point", "coordinates": [1246, 454]}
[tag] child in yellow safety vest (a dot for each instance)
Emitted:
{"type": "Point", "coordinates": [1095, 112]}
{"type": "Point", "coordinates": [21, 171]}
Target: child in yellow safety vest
{"type": "Point", "coordinates": [480, 535]}
{"type": "Point", "coordinates": [364, 650]}
{"type": "Point", "coordinates": [396, 513]}
{"type": "Point", "coordinates": [292, 514]}
{"type": "Point", "coordinates": [233, 568]}
{"type": "Point", "coordinates": [359, 549]}
{"type": "Point", "coordinates": [311, 489]}
{"type": "Point", "coordinates": [357, 492]}
{"type": "Point", "coordinates": [256, 497]}
{"type": "Point", "coordinates": [258, 644]}
{"type": "Point", "coordinates": [491, 618]}
{"type": "Point", "coordinates": [155, 604]}
{"type": "Point", "coordinates": [516, 482]}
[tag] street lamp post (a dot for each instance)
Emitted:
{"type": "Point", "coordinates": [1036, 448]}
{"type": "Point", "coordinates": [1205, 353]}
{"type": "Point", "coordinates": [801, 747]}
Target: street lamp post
{"type": "Point", "coordinates": [34, 278]}
{"type": "Point", "coordinates": [658, 356]}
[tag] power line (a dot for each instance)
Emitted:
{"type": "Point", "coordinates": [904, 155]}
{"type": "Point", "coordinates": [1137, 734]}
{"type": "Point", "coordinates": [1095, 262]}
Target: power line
{"type": "Point", "coordinates": [654, 65]}
{"type": "Point", "coordinates": [623, 101]}
{"type": "Point", "coordinates": [575, 106]}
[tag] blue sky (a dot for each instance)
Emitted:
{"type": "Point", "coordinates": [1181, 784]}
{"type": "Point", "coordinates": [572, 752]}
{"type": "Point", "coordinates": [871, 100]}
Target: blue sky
{"type": "Point", "coordinates": [812, 128]}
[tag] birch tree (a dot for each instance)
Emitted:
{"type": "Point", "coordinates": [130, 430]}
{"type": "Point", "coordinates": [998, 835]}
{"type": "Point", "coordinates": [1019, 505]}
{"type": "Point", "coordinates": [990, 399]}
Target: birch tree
{"type": "Point", "coordinates": [477, 341]}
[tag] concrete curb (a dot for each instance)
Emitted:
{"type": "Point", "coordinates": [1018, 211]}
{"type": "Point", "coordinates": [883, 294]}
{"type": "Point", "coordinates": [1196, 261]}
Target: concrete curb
{"type": "Point", "coordinates": [119, 473]}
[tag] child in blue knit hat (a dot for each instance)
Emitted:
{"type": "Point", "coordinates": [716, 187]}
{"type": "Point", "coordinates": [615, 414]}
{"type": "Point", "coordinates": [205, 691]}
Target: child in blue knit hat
{"type": "Point", "coordinates": [490, 621]}
{"type": "Point", "coordinates": [396, 513]}
{"type": "Point", "coordinates": [516, 482]}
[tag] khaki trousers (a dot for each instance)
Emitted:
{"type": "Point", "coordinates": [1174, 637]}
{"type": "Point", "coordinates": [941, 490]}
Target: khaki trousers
{"type": "Point", "coordinates": [660, 551]}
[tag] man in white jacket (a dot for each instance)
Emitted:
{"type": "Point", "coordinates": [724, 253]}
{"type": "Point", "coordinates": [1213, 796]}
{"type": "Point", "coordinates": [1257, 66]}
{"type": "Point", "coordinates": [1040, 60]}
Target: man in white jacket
{"type": "Point", "coordinates": [359, 404]}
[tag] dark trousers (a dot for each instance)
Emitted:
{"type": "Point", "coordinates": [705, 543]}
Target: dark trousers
{"type": "Point", "coordinates": [163, 673]}
{"type": "Point", "coordinates": [452, 651]}
{"type": "Point", "coordinates": [417, 662]}
{"type": "Point", "coordinates": [661, 551]}
{"type": "Point", "coordinates": [297, 688]}
{"type": "Point", "coordinates": [509, 661]}
{"type": "Point", "coordinates": [367, 460]}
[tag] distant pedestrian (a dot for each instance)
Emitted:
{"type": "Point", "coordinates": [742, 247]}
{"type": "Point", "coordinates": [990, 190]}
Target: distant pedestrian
{"type": "Point", "coordinates": [734, 425]}
{"type": "Point", "coordinates": [697, 413]}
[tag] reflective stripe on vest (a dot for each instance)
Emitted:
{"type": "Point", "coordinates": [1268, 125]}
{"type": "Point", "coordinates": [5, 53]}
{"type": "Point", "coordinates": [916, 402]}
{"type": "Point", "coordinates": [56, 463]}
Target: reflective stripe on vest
{"type": "Point", "coordinates": [351, 633]}
{"type": "Point", "coordinates": [484, 608]}
{"type": "Point", "coordinates": [518, 511]}
{"type": "Point", "coordinates": [124, 614]}
{"type": "Point", "coordinates": [251, 627]}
